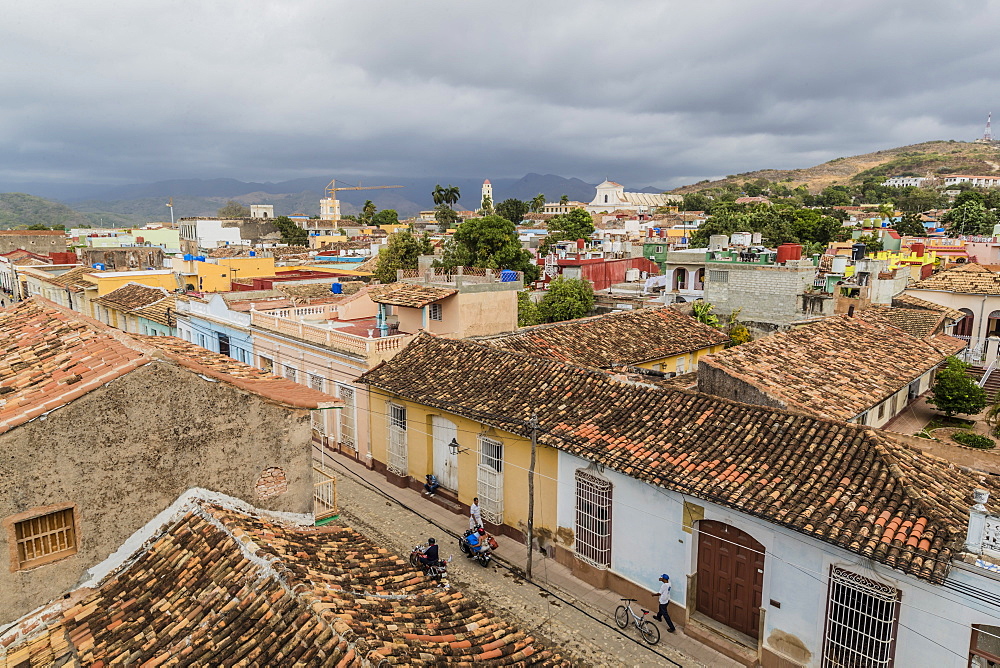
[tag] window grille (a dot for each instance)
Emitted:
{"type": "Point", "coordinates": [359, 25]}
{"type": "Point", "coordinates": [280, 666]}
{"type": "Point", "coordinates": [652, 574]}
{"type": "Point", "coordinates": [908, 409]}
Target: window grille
{"type": "Point", "coordinates": [316, 382]}
{"type": "Point", "coordinates": [348, 417]}
{"type": "Point", "coordinates": [716, 276]}
{"type": "Point", "coordinates": [490, 479]}
{"type": "Point", "coordinates": [434, 312]}
{"type": "Point", "coordinates": [45, 538]}
{"type": "Point", "coordinates": [593, 519]}
{"type": "Point", "coordinates": [861, 622]}
{"type": "Point", "coordinates": [291, 373]}
{"type": "Point", "coordinates": [396, 460]}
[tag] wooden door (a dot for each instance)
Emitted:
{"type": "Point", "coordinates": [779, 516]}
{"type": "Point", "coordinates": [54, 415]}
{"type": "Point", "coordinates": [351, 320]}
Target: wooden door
{"type": "Point", "coordinates": [445, 463]}
{"type": "Point", "coordinates": [730, 576]}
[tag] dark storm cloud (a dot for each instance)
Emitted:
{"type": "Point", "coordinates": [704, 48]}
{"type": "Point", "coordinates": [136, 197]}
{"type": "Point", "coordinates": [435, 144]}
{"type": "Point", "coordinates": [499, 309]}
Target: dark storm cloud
{"type": "Point", "coordinates": [644, 92]}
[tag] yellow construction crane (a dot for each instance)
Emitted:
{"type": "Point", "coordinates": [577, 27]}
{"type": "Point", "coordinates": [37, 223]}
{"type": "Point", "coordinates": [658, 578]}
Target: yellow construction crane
{"type": "Point", "coordinates": [329, 207]}
{"type": "Point", "coordinates": [331, 188]}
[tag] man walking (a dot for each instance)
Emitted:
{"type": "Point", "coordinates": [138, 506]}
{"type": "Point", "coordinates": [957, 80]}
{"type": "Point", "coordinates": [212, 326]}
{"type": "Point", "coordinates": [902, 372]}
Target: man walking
{"type": "Point", "coordinates": [664, 595]}
{"type": "Point", "coordinates": [475, 515]}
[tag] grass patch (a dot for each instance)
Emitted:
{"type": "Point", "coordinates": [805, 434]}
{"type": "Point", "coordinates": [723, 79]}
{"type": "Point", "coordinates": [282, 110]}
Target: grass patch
{"type": "Point", "coordinates": [939, 421]}
{"type": "Point", "coordinates": [974, 440]}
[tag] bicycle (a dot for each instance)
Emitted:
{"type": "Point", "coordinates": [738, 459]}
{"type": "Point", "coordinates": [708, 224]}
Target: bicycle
{"type": "Point", "coordinates": [649, 631]}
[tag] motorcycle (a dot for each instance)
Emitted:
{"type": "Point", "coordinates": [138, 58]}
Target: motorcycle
{"type": "Point", "coordinates": [483, 553]}
{"type": "Point", "coordinates": [434, 571]}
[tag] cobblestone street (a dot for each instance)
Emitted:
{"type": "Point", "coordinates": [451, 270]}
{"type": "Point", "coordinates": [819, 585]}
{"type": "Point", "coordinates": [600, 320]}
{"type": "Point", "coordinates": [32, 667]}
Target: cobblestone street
{"type": "Point", "coordinates": [564, 612]}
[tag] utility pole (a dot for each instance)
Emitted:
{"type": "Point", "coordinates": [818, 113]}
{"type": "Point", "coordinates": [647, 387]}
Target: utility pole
{"type": "Point", "coordinates": [533, 423]}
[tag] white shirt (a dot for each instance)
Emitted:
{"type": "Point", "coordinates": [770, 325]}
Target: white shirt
{"type": "Point", "coordinates": [665, 593]}
{"type": "Point", "coordinates": [476, 514]}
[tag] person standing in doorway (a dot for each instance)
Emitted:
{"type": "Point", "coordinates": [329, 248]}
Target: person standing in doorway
{"type": "Point", "coordinates": [663, 615]}
{"type": "Point", "coordinates": [475, 515]}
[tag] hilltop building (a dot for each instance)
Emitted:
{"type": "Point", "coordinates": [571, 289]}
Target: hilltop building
{"type": "Point", "coordinates": [611, 196]}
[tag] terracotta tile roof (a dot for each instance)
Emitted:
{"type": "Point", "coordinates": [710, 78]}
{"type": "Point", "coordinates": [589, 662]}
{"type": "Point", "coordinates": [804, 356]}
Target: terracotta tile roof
{"type": "Point", "coordinates": [76, 279]}
{"type": "Point", "coordinates": [915, 322]}
{"type": "Point", "coordinates": [132, 296]}
{"type": "Point", "coordinates": [904, 300]}
{"type": "Point", "coordinates": [837, 367]}
{"type": "Point", "coordinates": [225, 587]}
{"type": "Point", "coordinates": [968, 278]}
{"type": "Point", "coordinates": [49, 357]}
{"type": "Point", "coordinates": [371, 264]}
{"type": "Point", "coordinates": [244, 376]}
{"type": "Point", "coordinates": [627, 337]}
{"type": "Point", "coordinates": [162, 312]}
{"type": "Point", "coordinates": [846, 484]}
{"type": "Point", "coordinates": [318, 290]}
{"type": "Point", "coordinates": [408, 294]}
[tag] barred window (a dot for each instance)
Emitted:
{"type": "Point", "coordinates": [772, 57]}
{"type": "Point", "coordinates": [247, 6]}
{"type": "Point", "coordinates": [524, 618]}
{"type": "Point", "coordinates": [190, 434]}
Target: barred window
{"type": "Point", "coordinates": [396, 459]}
{"type": "Point", "coordinates": [717, 276]}
{"type": "Point", "coordinates": [490, 479]}
{"type": "Point", "coordinates": [291, 373]}
{"type": "Point", "coordinates": [45, 538]}
{"type": "Point", "coordinates": [316, 382]}
{"type": "Point", "coordinates": [434, 312]}
{"type": "Point", "coordinates": [348, 417]}
{"type": "Point", "coordinates": [861, 621]}
{"type": "Point", "coordinates": [593, 518]}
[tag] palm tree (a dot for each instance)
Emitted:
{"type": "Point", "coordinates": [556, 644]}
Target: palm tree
{"type": "Point", "coordinates": [537, 202]}
{"type": "Point", "coordinates": [368, 211]}
{"type": "Point", "coordinates": [451, 195]}
{"type": "Point", "coordinates": [438, 194]}
{"type": "Point", "coordinates": [564, 200]}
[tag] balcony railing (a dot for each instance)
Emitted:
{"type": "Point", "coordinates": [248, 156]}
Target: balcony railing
{"type": "Point", "coordinates": [330, 338]}
{"type": "Point", "coordinates": [460, 275]}
{"type": "Point", "coordinates": [324, 494]}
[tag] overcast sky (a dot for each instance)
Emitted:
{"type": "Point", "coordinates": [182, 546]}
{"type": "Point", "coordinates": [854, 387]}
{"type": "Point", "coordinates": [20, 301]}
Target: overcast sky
{"type": "Point", "coordinates": [646, 93]}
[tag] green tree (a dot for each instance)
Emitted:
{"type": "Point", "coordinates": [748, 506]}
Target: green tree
{"type": "Point", "coordinates": [487, 205]}
{"type": "Point", "coordinates": [914, 200]}
{"type": "Point", "coordinates": [696, 202]}
{"type": "Point", "coordinates": [969, 196]}
{"type": "Point", "coordinates": [489, 242]}
{"type": "Point", "coordinates": [402, 251]}
{"type": "Point", "coordinates": [233, 209]}
{"type": "Point", "coordinates": [37, 226]}
{"type": "Point", "coordinates": [367, 213]}
{"type": "Point", "coordinates": [513, 210]}
{"type": "Point", "coordinates": [737, 331]}
{"type": "Point", "coordinates": [564, 199]}
{"type": "Point", "coordinates": [910, 225]}
{"type": "Point", "coordinates": [566, 299]}
{"type": "Point", "coordinates": [701, 311]}
{"type": "Point", "coordinates": [527, 310]}
{"type": "Point", "coordinates": [955, 391]}
{"type": "Point", "coordinates": [537, 203]}
{"type": "Point", "coordinates": [577, 224]}
{"type": "Point", "coordinates": [386, 217]}
{"type": "Point", "coordinates": [291, 234]}
{"type": "Point", "coordinates": [446, 217]}
{"type": "Point", "coordinates": [872, 243]}
{"type": "Point", "coordinates": [970, 219]}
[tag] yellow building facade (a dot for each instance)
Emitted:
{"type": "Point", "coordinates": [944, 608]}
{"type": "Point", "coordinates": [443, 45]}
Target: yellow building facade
{"type": "Point", "coordinates": [470, 472]}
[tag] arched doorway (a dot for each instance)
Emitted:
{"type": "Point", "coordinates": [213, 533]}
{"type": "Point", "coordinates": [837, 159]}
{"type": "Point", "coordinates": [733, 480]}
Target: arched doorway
{"type": "Point", "coordinates": [680, 278]}
{"type": "Point", "coordinates": [730, 576]}
{"type": "Point", "coordinates": [993, 324]}
{"type": "Point", "coordinates": [964, 326]}
{"type": "Point", "coordinates": [445, 463]}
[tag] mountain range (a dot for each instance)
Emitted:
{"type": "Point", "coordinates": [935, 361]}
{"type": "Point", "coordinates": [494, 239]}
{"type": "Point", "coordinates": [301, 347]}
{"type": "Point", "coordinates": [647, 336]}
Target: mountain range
{"type": "Point", "coordinates": [144, 202]}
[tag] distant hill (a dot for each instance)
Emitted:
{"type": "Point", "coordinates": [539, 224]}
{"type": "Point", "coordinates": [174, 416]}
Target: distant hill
{"type": "Point", "coordinates": [933, 158]}
{"type": "Point", "coordinates": [21, 210]}
{"type": "Point", "coordinates": [141, 203]}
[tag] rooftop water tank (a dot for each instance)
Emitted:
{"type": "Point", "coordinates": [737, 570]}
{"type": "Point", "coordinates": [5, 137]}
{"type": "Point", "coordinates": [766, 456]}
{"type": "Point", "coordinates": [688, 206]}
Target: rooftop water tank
{"type": "Point", "coordinates": [839, 264]}
{"type": "Point", "coordinates": [742, 238]}
{"type": "Point", "coordinates": [788, 252]}
{"type": "Point", "coordinates": [253, 253]}
{"type": "Point", "coordinates": [98, 265]}
{"type": "Point", "coordinates": [917, 249]}
{"type": "Point", "coordinates": [200, 258]}
{"type": "Point", "coordinates": [508, 276]}
{"type": "Point", "coordinates": [337, 289]}
{"type": "Point", "coordinates": [188, 257]}
{"type": "Point", "coordinates": [858, 251]}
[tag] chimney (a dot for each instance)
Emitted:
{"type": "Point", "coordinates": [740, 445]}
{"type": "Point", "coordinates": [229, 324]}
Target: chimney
{"type": "Point", "coordinates": [977, 522]}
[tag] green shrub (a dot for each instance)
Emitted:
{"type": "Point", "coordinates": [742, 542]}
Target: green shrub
{"type": "Point", "coordinates": [974, 440]}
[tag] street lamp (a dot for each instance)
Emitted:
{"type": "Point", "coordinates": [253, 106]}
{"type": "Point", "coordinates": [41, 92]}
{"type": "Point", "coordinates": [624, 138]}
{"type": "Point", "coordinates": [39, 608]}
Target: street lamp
{"type": "Point", "coordinates": [454, 448]}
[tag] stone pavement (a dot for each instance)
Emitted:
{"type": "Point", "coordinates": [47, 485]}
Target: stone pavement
{"type": "Point", "coordinates": [547, 573]}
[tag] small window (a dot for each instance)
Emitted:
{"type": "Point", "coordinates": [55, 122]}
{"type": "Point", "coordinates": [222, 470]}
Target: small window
{"type": "Point", "coordinates": [881, 410]}
{"type": "Point", "coordinates": [316, 382]}
{"type": "Point", "coordinates": [44, 538]}
{"type": "Point", "coordinates": [267, 364]}
{"type": "Point", "coordinates": [985, 649]}
{"type": "Point", "coordinates": [659, 249]}
{"type": "Point", "coordinates": [716, 276]}
{"type": "Point", "coordinates": [434, 312]}
{"type": "Point", "coordinates": [291, 373]}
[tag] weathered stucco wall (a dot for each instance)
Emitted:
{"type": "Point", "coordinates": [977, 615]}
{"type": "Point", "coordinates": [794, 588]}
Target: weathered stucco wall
{"type": "Point", "coordinates": [126, 451]}
{"type": "Point", "coordinates": [719, 383]}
